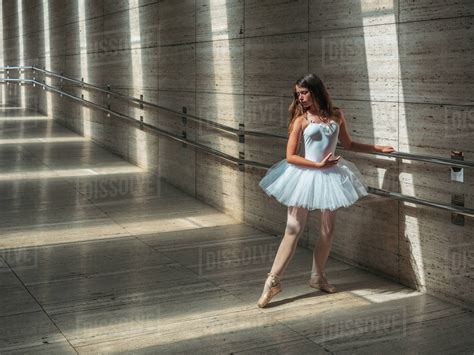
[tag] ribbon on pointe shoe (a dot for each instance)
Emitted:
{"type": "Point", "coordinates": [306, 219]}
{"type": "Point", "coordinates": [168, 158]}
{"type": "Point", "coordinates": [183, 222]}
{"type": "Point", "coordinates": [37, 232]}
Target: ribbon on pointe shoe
{"type": "Point", "coordinates": [320, 282]}
{"type": "Point", "coordinates": [271, 288]}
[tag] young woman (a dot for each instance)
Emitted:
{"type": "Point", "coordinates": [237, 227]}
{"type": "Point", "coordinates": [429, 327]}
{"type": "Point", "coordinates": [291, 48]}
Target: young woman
{"type": "Point", "coordinates": [320, 180]}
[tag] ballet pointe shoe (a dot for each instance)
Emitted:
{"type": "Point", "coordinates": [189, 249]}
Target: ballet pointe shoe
{"type": "Point", "coordinates": [321, 283]}
{"type": "Point", "coordinates": [271, 288]}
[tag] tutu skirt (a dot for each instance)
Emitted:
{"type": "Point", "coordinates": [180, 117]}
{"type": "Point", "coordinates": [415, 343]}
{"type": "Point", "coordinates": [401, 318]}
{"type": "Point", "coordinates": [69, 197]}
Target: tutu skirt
{"type": "Point", "coordinates": [327, 189]}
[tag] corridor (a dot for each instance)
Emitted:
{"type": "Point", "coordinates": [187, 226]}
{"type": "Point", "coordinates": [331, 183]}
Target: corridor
{"type": "Point", "coordinates": [97, 255]}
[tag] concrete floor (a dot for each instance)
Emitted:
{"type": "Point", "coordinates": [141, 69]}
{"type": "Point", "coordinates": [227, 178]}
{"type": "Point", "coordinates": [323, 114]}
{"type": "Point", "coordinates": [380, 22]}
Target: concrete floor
{"type": "Point", "coordinates": [97, 255]}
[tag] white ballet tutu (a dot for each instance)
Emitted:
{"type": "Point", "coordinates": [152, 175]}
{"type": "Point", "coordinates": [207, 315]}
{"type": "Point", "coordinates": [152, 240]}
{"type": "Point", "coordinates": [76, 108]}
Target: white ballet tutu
{"type": "Point", "coordinates": [326, 189]}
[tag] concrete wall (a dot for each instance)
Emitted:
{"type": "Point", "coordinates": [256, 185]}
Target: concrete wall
{"type": "Point", "coordinates": [401, 70]}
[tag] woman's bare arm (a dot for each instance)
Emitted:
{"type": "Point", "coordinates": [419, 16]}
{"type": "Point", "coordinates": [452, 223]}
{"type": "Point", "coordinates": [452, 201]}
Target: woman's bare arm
{"type": "Point", "coordinates": [291, 148]}
{"type": "Point", "coordinates": [349, 144]}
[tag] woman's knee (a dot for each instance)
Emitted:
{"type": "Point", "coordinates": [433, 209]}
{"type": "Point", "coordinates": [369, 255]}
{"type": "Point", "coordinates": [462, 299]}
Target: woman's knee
{"type": "Point", "coordinates": [296, 221]}
{"type": "Point", "coordinates": [293, 229]}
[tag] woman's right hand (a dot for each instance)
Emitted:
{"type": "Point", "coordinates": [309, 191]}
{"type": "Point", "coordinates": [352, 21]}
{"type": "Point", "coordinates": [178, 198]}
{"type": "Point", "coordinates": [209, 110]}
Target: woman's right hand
{"type": "Point", "coordinates": [328, 161]}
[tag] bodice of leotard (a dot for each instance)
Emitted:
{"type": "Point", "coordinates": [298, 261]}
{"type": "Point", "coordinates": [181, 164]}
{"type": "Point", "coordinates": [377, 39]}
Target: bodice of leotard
{"type": "Point", "coordinates": [320, 139]}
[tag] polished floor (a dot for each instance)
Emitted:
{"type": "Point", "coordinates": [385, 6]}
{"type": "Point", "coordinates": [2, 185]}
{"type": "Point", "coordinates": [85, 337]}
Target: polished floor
{"type": "Point", "coordinates": [98, 256]}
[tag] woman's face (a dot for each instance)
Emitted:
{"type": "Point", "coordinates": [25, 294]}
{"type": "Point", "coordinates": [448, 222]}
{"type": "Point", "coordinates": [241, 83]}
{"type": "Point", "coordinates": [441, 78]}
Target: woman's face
{"type": "Point", "coordinates": [304, 96]}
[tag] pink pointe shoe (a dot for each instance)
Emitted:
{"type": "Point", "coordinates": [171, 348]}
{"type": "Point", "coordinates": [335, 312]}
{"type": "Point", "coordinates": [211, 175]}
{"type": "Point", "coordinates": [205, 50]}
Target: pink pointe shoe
{"type": "Point", "coordinates": [321, 283]}
{"type": "Point", "coordinates": [271, 288]}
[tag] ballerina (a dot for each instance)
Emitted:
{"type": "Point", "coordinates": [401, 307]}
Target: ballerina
{"type": "Point", "coordinates": [319, 180]}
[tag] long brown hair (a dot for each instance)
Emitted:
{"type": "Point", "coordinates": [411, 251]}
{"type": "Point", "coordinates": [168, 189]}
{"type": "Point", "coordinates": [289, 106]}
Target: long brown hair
{"type": "Point", "coordinates": [319, 94]}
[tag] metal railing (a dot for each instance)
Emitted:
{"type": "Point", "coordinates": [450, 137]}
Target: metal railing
{"type": "Point", "coordinates": [465, 211]}
{"type": "Point", "coordinates": [235, 131]}
{"type": "Point", "coordinates": [136, 100]}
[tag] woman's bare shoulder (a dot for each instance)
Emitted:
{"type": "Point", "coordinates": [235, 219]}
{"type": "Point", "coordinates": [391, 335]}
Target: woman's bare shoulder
{"type": "Point", "coordinates": [338, 111]}
{"type": "Point", "coordinates": [338, 115]}
{"type": "Point", "coordinates": [298, 124]}
{"type": "Point", "coordinates": [301, 118]}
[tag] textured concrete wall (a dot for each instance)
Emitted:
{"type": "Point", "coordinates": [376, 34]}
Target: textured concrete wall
{"type": "Point", "coordinates": [401, 70]}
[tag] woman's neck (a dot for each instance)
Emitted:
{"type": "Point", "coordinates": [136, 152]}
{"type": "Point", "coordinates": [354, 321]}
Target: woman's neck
{"type": "Point", "coordinates": [314, 110]}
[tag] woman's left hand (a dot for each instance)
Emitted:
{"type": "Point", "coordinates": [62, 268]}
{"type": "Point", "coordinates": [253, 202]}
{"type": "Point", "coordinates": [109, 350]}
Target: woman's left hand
{"type": "Point", "coordinates": [384, 148]}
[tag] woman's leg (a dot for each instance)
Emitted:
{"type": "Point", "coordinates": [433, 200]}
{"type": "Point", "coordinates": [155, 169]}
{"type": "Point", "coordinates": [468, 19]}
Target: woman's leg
{"type": "Point", "coordinates": [295, 224]}
{"type": "Point", "coordinates": [294, 228]}
{"type": "Point", "coordinates": [323, 247]}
